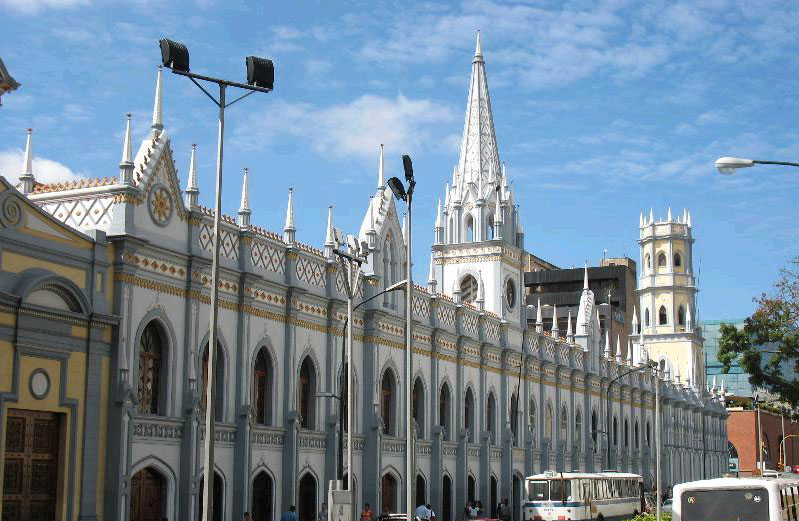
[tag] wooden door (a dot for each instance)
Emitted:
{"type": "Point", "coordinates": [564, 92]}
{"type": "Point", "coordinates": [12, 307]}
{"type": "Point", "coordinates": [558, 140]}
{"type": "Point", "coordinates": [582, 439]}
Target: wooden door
{"type": "Point", "coordinates": [388, 491]}
{"type": "Point", "coordinates": [31, 466]}
{"type": "Point", "coordinates": [146, 496]}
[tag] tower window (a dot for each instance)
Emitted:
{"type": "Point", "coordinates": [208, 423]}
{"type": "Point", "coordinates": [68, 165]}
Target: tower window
{"type": "Point", "coordinates": [648, 262]}
{"type": "Point", "coordinates": [510, 293]}
{"type": "Point", "coordinates": [662, 260]}
{"type": "Point", "coordinates": [490, 227]}
{"type": "Point", "coordinates": [677, 260]}
{"type": "Point", "coordinates": [646, 317]}
{"type": "Point", "coordinates": [681, 316]}
{"type": "Point", "coordinates": [663, 318]}
{"type": "Point", "coordinates": [468, 289]}
{"type": "Point", "coordinates": [469, 229]}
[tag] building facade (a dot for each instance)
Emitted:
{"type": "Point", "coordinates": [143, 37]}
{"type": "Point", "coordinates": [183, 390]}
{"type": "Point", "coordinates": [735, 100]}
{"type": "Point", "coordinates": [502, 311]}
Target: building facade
{"type": "Point", "coordinates": [56, 338]}
{"type": "Point", "coordinates": [493, 400]}
{"type": "Point", "coordinates": [743, 432]}
{"type": "Point", "coordinates": [736, 379]}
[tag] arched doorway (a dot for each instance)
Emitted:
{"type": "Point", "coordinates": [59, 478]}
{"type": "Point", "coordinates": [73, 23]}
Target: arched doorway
{"type": "Point", "coordinates": [388, 493]}
{"type": "Point", "coordinates": [262, 497]}
{"type": "Point", "coordinates": [307, 394]}
{"type": "Point", "coordinates": [218, 498]}
{"type": "Point", "coordinates": [446, 499]}
{"type": "Point", "coordinates": [516, 495]}
{"type": "Point", "coordinates": [147, 495]}
{"type": "Point", "coordinates": [306, 500]}
{"type": "Point", "coordinates": [494, 498]}
{"type": "Point", "coordinates": [421, 496]}
{"type": "Point", "coordinates": [470, 483]}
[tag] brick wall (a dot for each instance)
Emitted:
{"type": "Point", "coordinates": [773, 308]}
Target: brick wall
{"type": "Point", "coordinates": [742, 433]}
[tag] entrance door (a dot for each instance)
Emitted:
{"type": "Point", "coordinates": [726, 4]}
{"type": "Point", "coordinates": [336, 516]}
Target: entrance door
{"type": "Point", "coordinates": [389, 486]}
{"type": "Point", "coordinates": [218, 497]}
{"type": "Point", "coordinates": [146, 496]}
{"type": "Point", "coordinates": [31, 466]}
{"type": "Point", "coordinates": [446, 500]}
{"type": "Point", "coordinates": [517, 498]}
{"type": "Point", "coordinates": [307, 499]}
{"type": "Point", "coordinates": [494, 500]}
{"type": "Point", "coordinates": [262, 497]}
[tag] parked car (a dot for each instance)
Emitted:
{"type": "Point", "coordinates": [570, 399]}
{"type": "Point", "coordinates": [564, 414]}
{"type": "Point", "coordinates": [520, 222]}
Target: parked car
{"type": "Point", "coordinates": [666, 506]}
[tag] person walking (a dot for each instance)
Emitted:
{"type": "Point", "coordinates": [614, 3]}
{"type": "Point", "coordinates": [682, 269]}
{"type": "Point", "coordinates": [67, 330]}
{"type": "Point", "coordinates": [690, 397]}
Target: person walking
{"type": "Point", "coordinates": [290, 515]}
{"type": "Point", "coordinates": [505, 513]}
{"type": "Point", "coordinates": [366, 515]}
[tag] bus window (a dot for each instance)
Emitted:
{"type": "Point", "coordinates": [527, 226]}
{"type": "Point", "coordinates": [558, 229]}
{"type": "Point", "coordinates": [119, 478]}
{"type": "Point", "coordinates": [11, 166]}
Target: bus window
{"type": "Point", "coordinates": [718, 504]}
{"type": "Point", "coordinates": [560, 490]}
{"type": "Point", "coordinates": [537, 491]}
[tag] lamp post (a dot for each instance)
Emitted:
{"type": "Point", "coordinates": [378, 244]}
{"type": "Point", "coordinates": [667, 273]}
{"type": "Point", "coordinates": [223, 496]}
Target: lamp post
{"type": "Point", "coordinates": [649, 365]}
{"type": "Point", "coordinates": [260, 78]}
{"type": "Point", "coordinates": [400, 193]}
{"type": "Point", "coordinates": [658, 494]}
{"type": "Point", "coordinates": [728, 165]}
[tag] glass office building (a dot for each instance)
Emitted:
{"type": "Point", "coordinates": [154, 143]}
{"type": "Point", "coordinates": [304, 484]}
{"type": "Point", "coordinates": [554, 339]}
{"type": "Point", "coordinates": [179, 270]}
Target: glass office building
{"type": "Point", "coordinates": [736, 381]}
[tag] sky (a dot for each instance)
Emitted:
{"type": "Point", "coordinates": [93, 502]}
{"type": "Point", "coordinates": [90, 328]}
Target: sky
{"type": "Point", "coordinates": [602, 109]}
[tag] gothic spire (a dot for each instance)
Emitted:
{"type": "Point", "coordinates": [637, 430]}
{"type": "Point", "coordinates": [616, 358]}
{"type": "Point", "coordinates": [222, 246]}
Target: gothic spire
{"type": "Point", "coordinates": [244, 208]}
{"type": "Point", "coordinates": [330, 242]}
{"type": "Point", "coordinates": [481, 292]}
{"type": "Point", "coordinates": [289, 230]}
{"type": "Point", "coordinates": [126, 163]}
{"type": "Point", "coordinates": [439, 216]}
{"type": "Point", "coordinates": [607, 343]}
{"type": "Point", "coordinates": [158, 117]}
{"type": "Point", "coordinates": [651, 216]}
{"type": "Point", "coordinates": [479, 142]}
{"type": "Point", "coordinates": [431, 278]}
{"type": "Point", "coordinates": [191, 188]}
{"type": "Point", "coordinates": [569, 330]}
{"type": "Point", "coordinates": [585, 276]}
{"type": "Point", "coordinates": [555, 330]}
{"type": "Point", "coordinates": [635, 320]}
{"type": "Point", "coordinates": [26, 178]}
{"type": "Point", "coordinates": [618, 349]}
{"type": "Point", "coordinates": [381, 176]}
{"type": "Point", "coordinates": [539, 319]}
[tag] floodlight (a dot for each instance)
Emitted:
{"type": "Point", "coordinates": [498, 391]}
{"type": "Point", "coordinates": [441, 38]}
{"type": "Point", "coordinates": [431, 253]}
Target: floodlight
{"type": "Point", "coordinates": [260, 72]}
{"type": "Point", "coordinates": [397, 188]}
{"type": "Point", "coordinates": [408, 166]}
{"type": "Point", "coordinates": [174, 55]}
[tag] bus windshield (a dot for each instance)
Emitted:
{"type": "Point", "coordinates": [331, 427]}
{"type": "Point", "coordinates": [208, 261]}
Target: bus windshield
{"type": "Point", "coordinates": [538, 491]}
{"type": "Point", "coordinates": [739, 504]}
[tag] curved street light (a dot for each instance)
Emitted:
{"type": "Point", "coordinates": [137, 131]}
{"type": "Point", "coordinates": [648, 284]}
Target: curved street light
{"type": "Point", "coordinates": [728, 165]}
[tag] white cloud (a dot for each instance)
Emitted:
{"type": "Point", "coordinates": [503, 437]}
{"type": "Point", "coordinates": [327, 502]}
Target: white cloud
{"type": "Point", "coordinates": [353, 129]}
{"type": "Point", "coordinates": [34, 6]}
{"type": "Point", "coordinates": [44, 170]}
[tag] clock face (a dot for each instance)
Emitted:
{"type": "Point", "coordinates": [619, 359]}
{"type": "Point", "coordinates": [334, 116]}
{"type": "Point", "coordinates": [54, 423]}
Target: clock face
{"type": "Point", "coordinates": [510, 293]}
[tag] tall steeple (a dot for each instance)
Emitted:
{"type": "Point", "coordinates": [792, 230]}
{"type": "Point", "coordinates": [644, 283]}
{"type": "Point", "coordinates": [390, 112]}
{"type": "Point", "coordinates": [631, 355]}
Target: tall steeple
{"type": "Point", "coordinates": [192, 192]}
{"type": "Point", "coordinates": [158, 117]}
{"type": "Point", "coordinates": [288, 229]}
{"type": "Point", "coordinates": [126, 163]}
{"type": "Point", "coordinates": [244, 208]}
{"type": "Point", "coordinates": [26, 178]}
{"type": "Point", "coordinates": [479, 144]}
{"type": "Point", "coordinates": [381, 176]}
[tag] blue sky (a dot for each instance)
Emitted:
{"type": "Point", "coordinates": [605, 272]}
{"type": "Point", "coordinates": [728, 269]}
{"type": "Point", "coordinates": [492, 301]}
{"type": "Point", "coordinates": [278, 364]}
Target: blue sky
{"type": "Point", "coordinates": [601, 109]}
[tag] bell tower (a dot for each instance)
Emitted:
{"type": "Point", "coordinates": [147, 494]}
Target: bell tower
{"type": "Point", "coordinates": [478, 240]}
{"type": "Point", "coordinates": [667, 297]}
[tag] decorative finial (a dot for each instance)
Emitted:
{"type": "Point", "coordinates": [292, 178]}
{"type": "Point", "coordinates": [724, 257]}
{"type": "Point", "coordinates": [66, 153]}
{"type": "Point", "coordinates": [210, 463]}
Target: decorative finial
{"type": "Point", "coordinates": [26, 178]}
{"type": "Point", "coordinates": [569, 330]}
{"type": "Point", "coordinates": [330, 242]}
{"type": "Point", "coordinates": [244, 208]}
{"type": "Point", "coordinates": [555, 330]}
{"type": "Point", "coordinates": [431, 278]}
{"type": "Point", "coordinates": [192, 192]}
{"type": "Point", "coordinates": [480, 292]}
{"type": "Point", "coordinates": [539, 318]}
{"type": "Point", "coordinates": [158, 118]}
{"type": "Point", "coordinates": [289, 230]}
{"type": "Point", "coordinates": [668, 215]}
{"type": "Point", "coordinates": [585, 275]}
{"type": "Point", "coordinates": [381, 176]}
{"type": "Point", "coordinates": [478, 49]}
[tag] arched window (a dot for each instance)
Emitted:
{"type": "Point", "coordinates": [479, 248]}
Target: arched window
{"type": "Point", "coordinates": [54, 296]}
{"type": "Point", "coordinates": [548, 422]}
{"type": "Point", "coordinates": [451, 231]}
{"type": "Point", "coordinates": [389, 271]}
{"type": "Point", "coordinates": [662, 260]}
{"type": "Point", "coordinates": [578, 428]}
{"type": "Point", "coordinates": [443, 411]}
{"type": "Point", "coordinates": [681, 315]}
{"type": "Point", "coordinates": [151, 359]}
{"type": "Point", "coordinates": [262, 388]}
{"type": "Point", "coordinates": [490, 227]}
{"type": "Point", "coordinates": [564, 424]}
{"type": "Point", "coordinates": [469, 228]}
{"type": "Point", "coordinates": [468, 414]}
{"type": "Point", "coordinates": [663, 318]}
{"type": "Point", "coordinates": [307, 394]}
{"type": "Point", "coordinates": [468, 289]}
{"type": "Point", "coordinates": [648, 434]}
{"type": "Point", "coordinates": [219, 376]}
{"type": "Point", "coordinates": [418, 407]}
{"type": "Point", "coordinates": [648, 261]}
{"type": "Point", "coordinates": [615, 431]}
{"type": "Point", "coordinates": [637, 436]}
{"type": "Point", "coordinates": [677, 260]}
{"type": "Point", "coordinates": [387, 407]}
{"type": "Point", "coordinates": [532, 417]}
{"type": "Point", "coordinates": [594, 428]}
{"type": "Point", "coordinates": [626, 433]}
{"type": "Point", "coordinates": [490, 407]}
{"type": "Point", "coordinates": [646, 317]}
{"type": "Point", "coordinates": [514, 418]}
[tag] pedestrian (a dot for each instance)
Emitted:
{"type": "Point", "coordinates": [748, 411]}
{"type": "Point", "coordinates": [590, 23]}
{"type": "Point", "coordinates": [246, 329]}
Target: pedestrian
{"type": "Point", "coordinates": [480, 511]}
{"type": "Point", "coordinates": [505, 513]}
{"type": "Point", "coordinates": [247, 516]}
{"type": "Point", "coordinates": [366, 515]}
{"type": "Point", "coordinates": [432, 516]}
{"type": "Point", "coordinates": [291, 515]}
{"type": "Point", "coordinates": [322, 512]}
{"type": "Point", "coordinates": [422, 511]}
{"type": "Point", "coordinates": [473, 510]}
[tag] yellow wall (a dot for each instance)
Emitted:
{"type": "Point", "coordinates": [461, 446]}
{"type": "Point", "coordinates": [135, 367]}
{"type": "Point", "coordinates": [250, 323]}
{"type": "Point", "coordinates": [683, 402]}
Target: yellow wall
{"type": "Point", "coordinates": [17, 263]}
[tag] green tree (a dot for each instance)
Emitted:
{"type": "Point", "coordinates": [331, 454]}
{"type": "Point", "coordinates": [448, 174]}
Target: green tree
{"type": "Point", "coordinates": [768, 345]}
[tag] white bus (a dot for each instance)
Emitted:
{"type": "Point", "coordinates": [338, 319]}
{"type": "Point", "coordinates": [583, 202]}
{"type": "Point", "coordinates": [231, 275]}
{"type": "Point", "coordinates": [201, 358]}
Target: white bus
{"type": "Point", "coordinates": [737, 499]}
{"type": "Point", "coordinates": [569, 496]}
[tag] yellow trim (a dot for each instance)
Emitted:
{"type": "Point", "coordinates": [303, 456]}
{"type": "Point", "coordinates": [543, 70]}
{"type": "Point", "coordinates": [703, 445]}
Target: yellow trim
{"type": "Point", "coordinates": [7, 319]}
{"type": "Point", "coordinates": [80, 332]}
{"type": "Point", "coordinates": [17, 263]}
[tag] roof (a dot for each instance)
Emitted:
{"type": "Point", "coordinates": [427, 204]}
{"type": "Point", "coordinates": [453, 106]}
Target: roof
{"type": "Point", "coordinates": [7, 83]}
{"type": "Point", "coordinates": [733, 483]}
{"type": "Point", "coordinates": [584, 475]}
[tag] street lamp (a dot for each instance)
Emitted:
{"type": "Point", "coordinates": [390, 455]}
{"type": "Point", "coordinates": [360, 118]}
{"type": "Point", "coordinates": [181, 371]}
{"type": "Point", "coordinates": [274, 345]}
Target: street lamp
{"type": "Point", "coordinates": [407, 195]}
{"type": "Point", "coordinates": [728, 165]}
{"type": "Point", "coordinates": [260, 78]}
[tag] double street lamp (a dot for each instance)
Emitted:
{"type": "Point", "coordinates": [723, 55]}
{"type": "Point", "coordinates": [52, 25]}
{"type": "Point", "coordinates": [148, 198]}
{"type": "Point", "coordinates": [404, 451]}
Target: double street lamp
{"type": "Point", "coordinates": [260, 78]}
{"type": "Point", "coordinates": [400, 192]}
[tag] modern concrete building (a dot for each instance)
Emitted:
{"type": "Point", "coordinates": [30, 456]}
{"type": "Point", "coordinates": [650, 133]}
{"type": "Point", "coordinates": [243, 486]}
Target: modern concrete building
{"type": "Point", "coordinates": [493, 400]}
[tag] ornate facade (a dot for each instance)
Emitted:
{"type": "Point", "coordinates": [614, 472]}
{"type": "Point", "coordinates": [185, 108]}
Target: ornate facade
{"type": "Point", "coordinates": [493, 400]}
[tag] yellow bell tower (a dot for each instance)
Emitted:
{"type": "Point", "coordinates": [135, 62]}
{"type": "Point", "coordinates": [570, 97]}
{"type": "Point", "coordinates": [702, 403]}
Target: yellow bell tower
{"type": "Point", "coordinates": [667, 298]}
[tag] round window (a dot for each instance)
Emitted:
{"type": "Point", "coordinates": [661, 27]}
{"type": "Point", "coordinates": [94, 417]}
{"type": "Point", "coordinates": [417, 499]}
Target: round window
{"type": "Point", "coordinates": [510, 293]}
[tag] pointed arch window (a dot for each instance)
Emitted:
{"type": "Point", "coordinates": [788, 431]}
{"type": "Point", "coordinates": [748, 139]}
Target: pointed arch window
{"type": "Point", "coordinates": [469, 228]}
{"type": "Point", "coordinates": [578, 427]}
{"type": "Point", "coordinates": [564, 424]}
{"type": "Point", "coordinates": [531, 417]}
{"type": "Point", "coordinates": [468, 414]}
{"type": "Point", "coordinates": [626, 433]}
{"type": "Point", "coordinates": [490, 414]}
{"type": "Point", "coordinates": [594, 428]}
{"type": "Point", "coordinates": [389, 271]}
{"type": "Point", "coordinates": [418, 407]}
{"type": "Point", "coordinates": [662, 260]}
{"type": "Point", "coordinates": [648, 261]}
{"type": "Point", "coordinates": [490, 227]}
{"type": "Point", "coordinates": [646, 317]}
{"type": "Point", "coordinates": [307, 394]}
{"type": "Point", "coordinates": [548, 422]}
{"type": "Point", "coordinates": [219, 375]}
{"type": "Point", "coordinates": [663, 318]}
{"type": "Point", "coordinates": [443, 411]}
{"type": "Point", "coordinates": [681, 315]}
{"type": "Point", "coordinates": [615, 431]}
{"type": "Point", "coordinates": [262, 388]}
{"type": "Point", "coordinates": [151, 358]}
{"type": "Point", "coordinates": [387, 408]}
{"type": "Point", "coordinates": [677, 260]}
{"type": "Point", "coordinates": [637, 437]}
{"type": "Point", "coordinates": [468, 289]}
{"type": "Point", "coordinates": [514, 417]}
